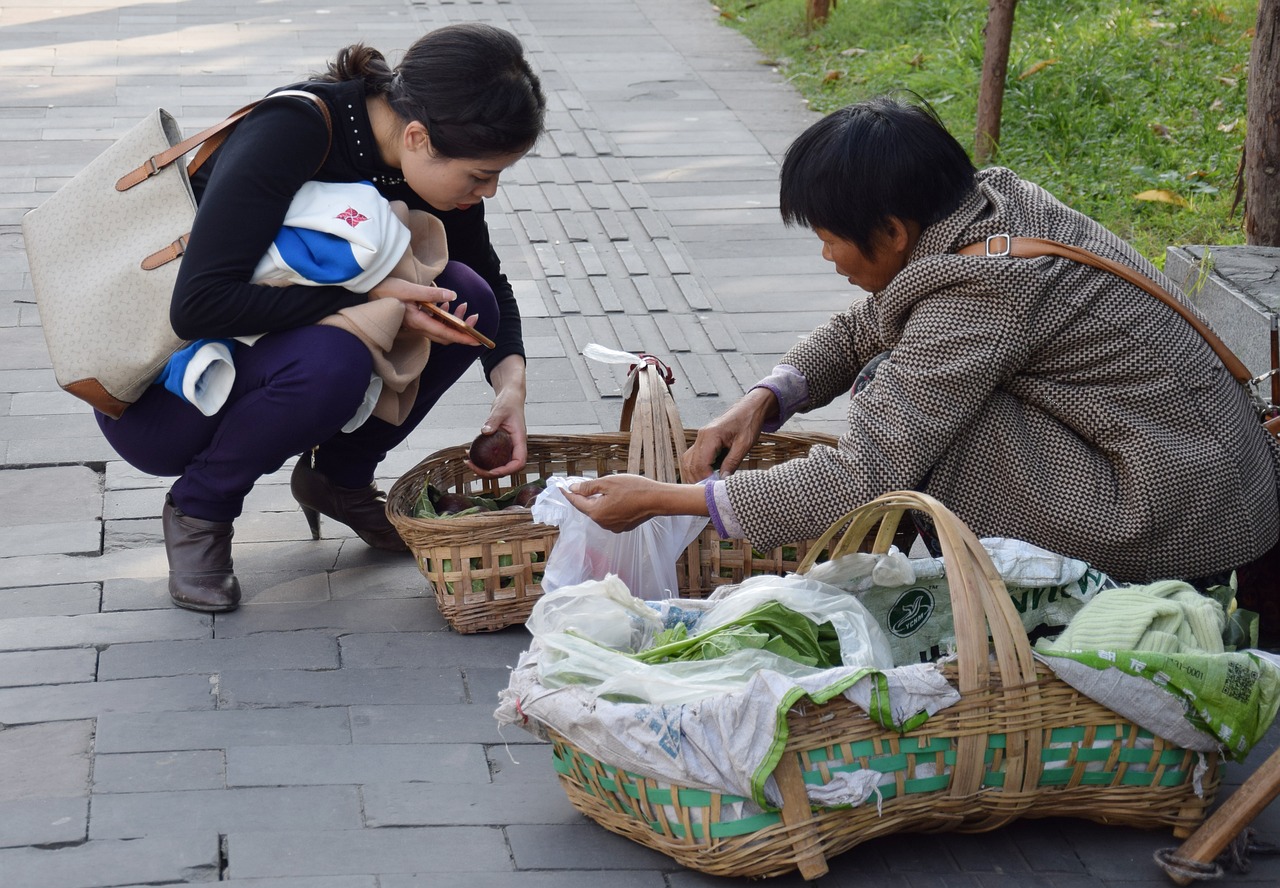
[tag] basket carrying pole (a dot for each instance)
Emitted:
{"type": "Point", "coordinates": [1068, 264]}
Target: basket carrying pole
{"type": "Point", "coordinates": [798, 817]}
{"type": "Point", "coordinates": [1237, 812]}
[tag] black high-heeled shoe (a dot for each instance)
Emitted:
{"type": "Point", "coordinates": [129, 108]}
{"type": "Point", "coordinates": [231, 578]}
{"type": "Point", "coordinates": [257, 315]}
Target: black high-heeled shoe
{"type": "Point", "coordinates": [363, 509]}
{"type": "Point", "coordinates": [200, 567]}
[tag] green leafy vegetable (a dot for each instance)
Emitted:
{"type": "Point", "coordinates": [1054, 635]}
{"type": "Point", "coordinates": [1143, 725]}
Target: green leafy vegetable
{"type": "Point", "coordinates": [772, 626]}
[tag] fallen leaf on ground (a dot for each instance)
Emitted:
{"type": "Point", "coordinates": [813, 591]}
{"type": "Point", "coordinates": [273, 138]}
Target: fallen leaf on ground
{"type": "Point", "coordinates": [1159, 195]}
{"type": "Point", "coordinates": [1037, 68]}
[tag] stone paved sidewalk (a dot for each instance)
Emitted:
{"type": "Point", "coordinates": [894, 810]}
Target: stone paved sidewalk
{"type": "Point", "coordinates": [333, 732]}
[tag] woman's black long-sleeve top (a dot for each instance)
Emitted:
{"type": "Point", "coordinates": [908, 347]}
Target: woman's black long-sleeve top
{"type": "Point", "coordinates": [243, 192]}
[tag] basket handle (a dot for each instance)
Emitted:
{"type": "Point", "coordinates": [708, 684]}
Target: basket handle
{"type": "Point", "coordinates": [980, 604]}
{"type": "Point", "coordinates": [650, 415]}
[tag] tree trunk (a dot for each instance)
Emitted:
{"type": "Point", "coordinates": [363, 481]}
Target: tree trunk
{"type": "Point", "coordinates": [995, 65]}
{"type": "Point", "coordinates": [816, 10]}
{"type": "Point", "coordinates": [1262, 142]}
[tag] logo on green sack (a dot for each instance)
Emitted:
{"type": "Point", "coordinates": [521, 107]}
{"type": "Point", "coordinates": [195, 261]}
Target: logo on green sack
{"type": "Point", "coordinates": [911, 611]}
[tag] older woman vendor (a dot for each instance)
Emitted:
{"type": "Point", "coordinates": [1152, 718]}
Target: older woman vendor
{"type": "Point", "coordinates": [1038, 398]}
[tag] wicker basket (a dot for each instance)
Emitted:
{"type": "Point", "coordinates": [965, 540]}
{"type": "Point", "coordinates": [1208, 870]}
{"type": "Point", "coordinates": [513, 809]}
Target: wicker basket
{"type": "Point", "coordinates": [486, 569]}
{"type": "Point", "coordinates": [1020, 743]}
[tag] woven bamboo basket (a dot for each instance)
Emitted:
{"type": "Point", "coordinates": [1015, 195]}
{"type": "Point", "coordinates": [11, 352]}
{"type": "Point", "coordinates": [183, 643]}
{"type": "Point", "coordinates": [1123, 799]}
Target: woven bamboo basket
{"type": "Point", "coordinates": [486, 569]}
{"type": "Point", "coordinates": [1020, 743]}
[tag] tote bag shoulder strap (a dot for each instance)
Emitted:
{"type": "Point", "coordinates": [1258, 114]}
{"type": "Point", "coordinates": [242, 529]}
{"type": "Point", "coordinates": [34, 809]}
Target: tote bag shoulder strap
{"type": "Point", "coordinates": [1001, 245]}
{"type": "Point", "coordinates": [209, 139]}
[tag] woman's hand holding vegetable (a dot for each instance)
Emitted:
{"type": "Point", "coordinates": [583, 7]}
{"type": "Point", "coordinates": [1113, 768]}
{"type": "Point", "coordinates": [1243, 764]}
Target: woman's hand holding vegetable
{"type": "Point", "coordinates": [507, 413]}
{"type": "Point", "coordinates": [724, 441]}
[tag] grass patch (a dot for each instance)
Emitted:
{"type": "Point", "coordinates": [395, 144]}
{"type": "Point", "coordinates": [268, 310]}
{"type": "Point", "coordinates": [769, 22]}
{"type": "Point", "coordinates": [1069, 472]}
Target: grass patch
{"type": "Point", "coordinates": [1104, 100]}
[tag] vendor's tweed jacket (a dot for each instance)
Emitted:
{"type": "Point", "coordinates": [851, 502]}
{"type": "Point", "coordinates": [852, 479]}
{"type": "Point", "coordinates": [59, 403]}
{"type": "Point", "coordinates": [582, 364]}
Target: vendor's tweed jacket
{"type": "Point", "coordinates": [1037, 398]}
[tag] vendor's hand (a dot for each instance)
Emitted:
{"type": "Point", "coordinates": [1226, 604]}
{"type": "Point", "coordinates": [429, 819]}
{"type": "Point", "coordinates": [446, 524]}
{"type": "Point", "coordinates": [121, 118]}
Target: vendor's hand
{"type": "Point", "coordinates": [724, 442]}
{"type": "Point", "coordinates": [418, 320]}
{"type": "Point", "coordinates": [618, 502]}
{"type": "Point", "coordinates": [507, 413]}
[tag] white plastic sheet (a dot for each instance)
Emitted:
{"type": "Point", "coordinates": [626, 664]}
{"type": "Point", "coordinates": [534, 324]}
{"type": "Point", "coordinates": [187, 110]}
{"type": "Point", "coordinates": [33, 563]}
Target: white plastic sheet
{"type": "Point", "coordinates": [643, 558]}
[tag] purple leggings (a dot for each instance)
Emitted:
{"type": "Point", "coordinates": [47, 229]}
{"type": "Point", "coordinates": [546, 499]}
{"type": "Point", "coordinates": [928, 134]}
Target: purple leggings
{"type": "Point", "coordinates": [293, 390]}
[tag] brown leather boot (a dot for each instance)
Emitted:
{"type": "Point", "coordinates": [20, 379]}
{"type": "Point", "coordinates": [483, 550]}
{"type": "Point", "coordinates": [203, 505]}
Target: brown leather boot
{"type": "Point", "coordinates": [200, 567]}
{"type": "Point", "coordinates": [363, 509]}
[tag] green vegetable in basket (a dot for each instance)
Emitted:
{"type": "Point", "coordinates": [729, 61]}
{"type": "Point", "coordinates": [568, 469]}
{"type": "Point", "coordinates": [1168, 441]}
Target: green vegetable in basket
{"type": "Point", "coordinates": [772, 627]}
{"type": "Point", "coordinates": [436, 503]}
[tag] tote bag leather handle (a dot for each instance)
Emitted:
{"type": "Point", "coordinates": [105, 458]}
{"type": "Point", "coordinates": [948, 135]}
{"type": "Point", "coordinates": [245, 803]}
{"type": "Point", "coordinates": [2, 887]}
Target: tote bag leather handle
{"type": "Point", "coordinates": [1000, 245]}
{"type": "Point", "coordinates": [209, 139]}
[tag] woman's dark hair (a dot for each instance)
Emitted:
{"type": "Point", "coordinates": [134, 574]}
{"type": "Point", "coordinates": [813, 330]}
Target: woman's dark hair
{"type": "Point", "coordinates": [855, 168]}
{"type": "Point", "coordinates": [468, 84]}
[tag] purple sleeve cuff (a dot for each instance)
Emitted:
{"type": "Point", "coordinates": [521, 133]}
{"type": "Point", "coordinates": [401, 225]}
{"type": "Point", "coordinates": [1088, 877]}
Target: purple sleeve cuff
{"type": "Point", "coordinates": [790, 388]}
{"type": "Point", "coordinates": [721, 510]}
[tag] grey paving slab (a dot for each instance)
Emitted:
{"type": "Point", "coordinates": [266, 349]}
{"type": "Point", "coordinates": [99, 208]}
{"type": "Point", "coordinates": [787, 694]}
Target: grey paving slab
{"type": "Point", "coordinates": [25, 668]}
{"type": "Point", "coordinates": [149, 772]}
{"type": "Point", "coordinates": [693, 879]}
{"type": "Point", "coordinates": [338, 617]}
{"type": "Point", "coordinates": [441, 723]}
{"type": "Point", "coordinates": [136, 594]}
{"type": "Point", "coordinates": [44, 760]}
{"type": "Point", "coordinates": [220, 729]}
{"type": "Point", "coordinates": [53, 495]}
{"type": "Point", "coordinates": [575, 846]}
{"type": "Point", "coordinates": [86, 700]}
{"type": "Point", "coordinates": [423, 804]}
{"type": "Point", "coordinates": [341, 687]}
{"type": "Point", "coordinates": [524, 879]}
{"type": "Point", "coordinates": [64, 538]}
{"type": "Point", "coordinates": [30, 633]}
{"type": "Point", "coordinates": [282, 650]}
{"type": "Point", "coordinates": [411, 850]}
{"type": "Point", "coordinates": [23, 348]}
{"type": "Point", "coordinates": [235, 809]}
{"type": "Point", "coordinates": [523, 765]}
{"type": "Point", "coordinates": [50, 821]}
{"type": "Point", "coordinates": [385, 649]}
{"type": "Point", "coordinates": [149, 860]}
{"type": "Point", "coordinates": [441, 763]}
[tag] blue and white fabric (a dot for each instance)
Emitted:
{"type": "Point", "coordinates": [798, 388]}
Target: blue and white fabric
{"type": "Point", "coordinates": [337, 233]}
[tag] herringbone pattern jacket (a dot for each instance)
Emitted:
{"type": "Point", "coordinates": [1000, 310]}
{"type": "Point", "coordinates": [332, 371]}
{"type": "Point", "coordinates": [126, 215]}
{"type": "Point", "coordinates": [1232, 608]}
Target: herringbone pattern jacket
{"type": "Point", "coordinates": [1037, 398]}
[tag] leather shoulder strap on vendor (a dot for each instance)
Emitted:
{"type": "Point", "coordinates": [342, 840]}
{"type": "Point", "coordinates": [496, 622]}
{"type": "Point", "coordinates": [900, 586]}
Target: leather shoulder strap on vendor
{"type": "Point", "coordinates": [1002, 245]}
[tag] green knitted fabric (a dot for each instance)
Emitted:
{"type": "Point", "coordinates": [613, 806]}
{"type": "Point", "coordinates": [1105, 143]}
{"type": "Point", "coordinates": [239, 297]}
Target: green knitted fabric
{"type": "Point", "coordinates": [1166, 617]}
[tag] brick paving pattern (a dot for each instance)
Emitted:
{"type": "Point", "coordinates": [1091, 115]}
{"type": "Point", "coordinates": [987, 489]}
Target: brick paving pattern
{"type": "Point", "coordinates": [334, 733]}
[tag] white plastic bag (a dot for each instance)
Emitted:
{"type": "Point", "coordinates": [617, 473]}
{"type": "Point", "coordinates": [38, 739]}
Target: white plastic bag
{"type": "Point", "coordinates": [585, 632]}
{"type": "Point", "coordinates": [603, 611]}
{"type": "Point", "coordinates": [643, 558]}
{"type": "Point", "coordinates": [862, 641]}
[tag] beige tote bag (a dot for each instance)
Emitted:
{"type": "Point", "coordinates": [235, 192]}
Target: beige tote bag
{"type": "Point", "coordinates": [103, 254]}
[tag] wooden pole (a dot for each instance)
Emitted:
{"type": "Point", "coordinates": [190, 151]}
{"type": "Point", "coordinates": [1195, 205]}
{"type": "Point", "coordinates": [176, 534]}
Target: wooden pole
{"type": "Point", "coordinates": [1237, 812]}
{"type": "Point", "coordinates": [995, 65]}
{"type": "Point", "coordinates": [1262, 141]}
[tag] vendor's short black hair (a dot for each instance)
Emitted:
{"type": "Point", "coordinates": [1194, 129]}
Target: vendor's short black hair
{"type": "Point", "coordinates": [855, 168]}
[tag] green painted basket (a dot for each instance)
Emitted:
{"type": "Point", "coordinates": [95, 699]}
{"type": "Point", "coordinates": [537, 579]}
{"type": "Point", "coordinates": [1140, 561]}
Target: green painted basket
{"type": "Point", "coordinates": [1019, 743]}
